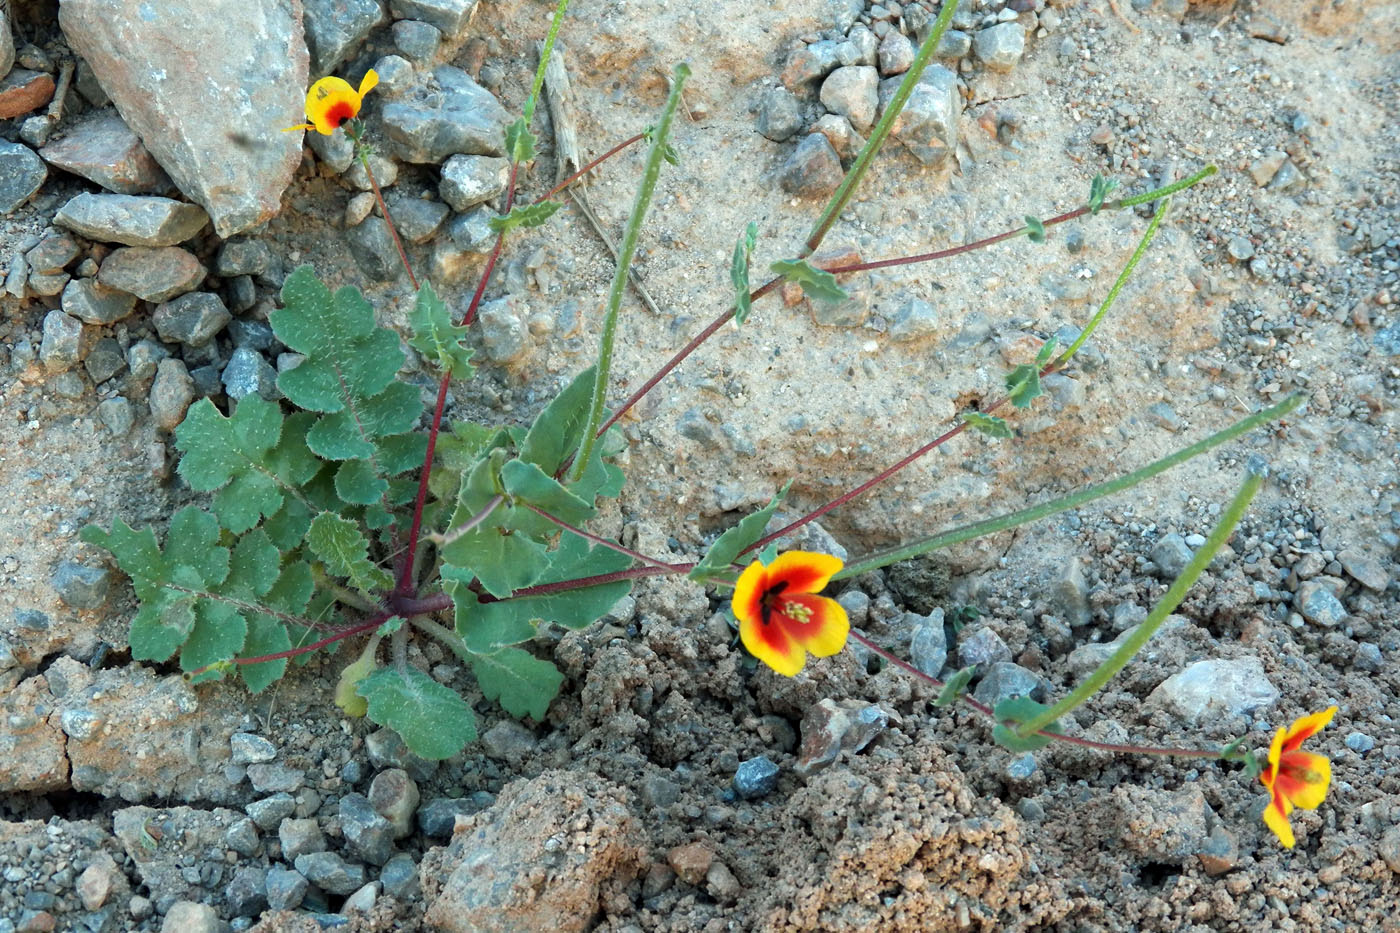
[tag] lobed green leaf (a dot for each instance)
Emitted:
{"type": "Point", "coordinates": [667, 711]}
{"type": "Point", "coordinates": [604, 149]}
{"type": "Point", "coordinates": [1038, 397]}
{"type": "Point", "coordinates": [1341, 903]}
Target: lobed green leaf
{"type": "Point", "coordinates": [525, 215]}
{"type": "Point", "coordinates": [1023, 385]}
{"type": "Point", "coordinates": [817, 284]}
{"type": "Point", "coordinates": [523, 684]}
{"type": "Point", "coordinates": [437, 338]}
{"type": "Point", "coordinates": [990, 425]}
{"type": "Point", "coordinates": [345, 549]}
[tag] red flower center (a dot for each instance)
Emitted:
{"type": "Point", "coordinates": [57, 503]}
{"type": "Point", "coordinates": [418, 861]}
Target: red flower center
{"type": "Point", "coordinates": [770, 600]}
{"type": "Point", "coordinates": [339, 113]}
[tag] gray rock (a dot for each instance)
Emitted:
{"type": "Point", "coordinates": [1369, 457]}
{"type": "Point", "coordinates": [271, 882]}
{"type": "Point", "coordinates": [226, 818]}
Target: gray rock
{"type": "Point", "coordinates": [329, 871]}
{"type": "Point", "coordinates": [335, 151]}
{"type": "Point", "coordinates": [813, 170]}
{"type": "Point", "coordinates": [269, 812]}
{"type": "Point", "coordinates": [248, 373]}
{"type": "Point", "coordinates": [417, 41]}
{"type": "Point", "coordinates": [447, 15]}
{"type": "Point", "coordinates": [1168, 827]}
{"type": "Point", "coordinates": [52, 255]}
{"type": "Point", "coordinates": [400, 876]}
{"type": "Point", "coordinates": [253, 334]}
{"type": "Point", "coordinates": [755, 778]}
{"type": "Point", "coordinates": [335, 28]}
{"type": "Point", "coordinates": [1171, 555]}
{"type": "Point", "coordinates": [192, 319]}
{"type": "Point", "coordinates": [1359, 742]}
{"type": "Point", "coordinates": [1368, 657]}
{"type": "Point", "coordinates": [1263, 169]}
{"type": "Point", "coordinates": [21, 174]}
{"type": "Point", "coordinates": [362, 901]}
{"type": "Point", "coordinates": [1359, 440]}
{"type": "Point", "coordinates": [851, 312]}
{"type": "Point", "coordinates": [469, 180]}
{"type": "Point", "coordinates": [247, 748]}
{"type": "Point", "coordinates": [94, 303]}
{"type": "Point", "coordinates": [385, 169]}
{"type": "Point", "coordinates": [132, 220]}
{"type": "Point", "coordinates": [1066, 287]}
{"type": "Point", "coordinates": [1164, 416]}
{"type": "Point", "coordinates": [828, 727]}
{"type": "Point", "coordinates": [472, 231]}
{"type": "Point", "coordinates": [928, 643]}
{"type": "Point", "coordinates": [1021, 768]}
{"type": "Point", "coordinates": [860, 47]}
{"type": "Point", "coordinates": [1316, 602]}
{"type": "Point", "coordinates": [81, 587]}
{"type": "Point", "coordinates": [837, 130]}
{"type": "Point", "coordinates": [243, 257]}
{"type": "Point", "coordinates": [66, 342]}
{"type": "Point", "coordinates": [190, 917]}
{"type": "Point", "coordinates": [853, 92]}
{"type": "Point", "coordinates": [242, 293]}
{"type": "Point", "coordinates": [46, 285]}
{"type": "Point", "coordinates": [451, 115]}
{"type": "Point", "coordinates": [285, 888]}
{"type": "Point", "coordinates": [7, 43]}
{"type": "Point", "coordinates": [1069, 594]}
{"type": "Point", "coordinates": [779, 114]}
{"type": "Point", "coordinates": [437, 817]}
{"type": "Point", "coordinates": [396, 75]}
{"type": "Point", "coordinates": [152, 274]}
{"type": "Point", "coordinates": [206, 385]}
{"type": "Point", "coordinates": [1215, 689]}
{"type": "Point", "coordinates": [807, 64]}
{"type": "Point", "coordinates": [896, 54]}
{"type": "Point", "coordinates": [1000, 47]}
{"type": "Point", "coordinates": [386, 750]}
{"type": "Point", "coordinates": [1364, 569]}
{"type": "Point", "coordinates": [70, 385]}
{"type": "Point", "coordinates": [1064, 392]}
{"type": "Point", "coordinates": [186, 96]}
{"type": "Point", "coordinates": [300, 836]}
{"type": "Point", "coordinates": [242, 837]}
{"type": "Point", "coordinates": [373, 247]}
{"type": "Point", "coordinates": [1288, 180]}
{"type": "Point", "coordinates": [369, 836]}
{"type": "Point", "coordinates": [509, 741]}
{"type": "Point", "coordinates": [104, 361]}
{"type": "Point", "coordinates": [504, 334]}
{"type": "Point", "coordinates": [1387, 340]}
{"type": "Point", "coordinates": [171, 394]}
{"type": "Point", "coordinates": [394, 796]}
{"type": "Point", "coordinates": [102, 148]}
{"type": "Point", "coordinates": [915, 319]}
{"type": "Point", "coordinates": [954, 45]}
{"type": "Point", "coordinates": [246, 894]}
{"type": "Point", "coordinates": [270, 777]}
{"type": "Point", "coordinates": [118, 415]}
{"type": "Point", "coordinates": [928, 124]}
{"type": "Point", "coordinates": [810, 537]}
{"type": "Point", "coordinates": [1004, 680]}
{"type": "Point", "coordinates": [143, 357]}
{"type": "Point", "coordinates": [417, 219]}
{"type": "Point", "coordinates": [984, 648]}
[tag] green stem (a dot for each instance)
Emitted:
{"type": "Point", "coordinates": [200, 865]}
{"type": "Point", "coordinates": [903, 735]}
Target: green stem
{"type": "Point", "coordinates": [445, 635]}
{"type": "Point", "coordinates": [534, 97]}
{"type": "Point", "coordinates": [650, 174]}
{"type": "Point", "coordinates": [1073, 500]}
{"type": "Point", "coordinates": [1173, 597]}
{"type": "Point", "coordinates": [1123, 276]}
{"type": "Point", "coordinates": [1162, 192]}
{"type": "Point", "coordinates": [847, 189]}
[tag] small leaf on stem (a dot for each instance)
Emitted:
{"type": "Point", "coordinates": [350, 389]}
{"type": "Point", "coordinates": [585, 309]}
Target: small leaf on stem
{"type": "Point", "coordinates": [990, 425]}
{"type": "Point", "coordinates": [816, 283]}
{"type": "Point", "coordinates": [1011, 713]}
{"type": "Point", "coordinates": [739, 272]}
{"type": "Point", "coordinates": [1023, 385]}
{"type": "Point", "coordinates": [1035, 229]}
{"type": "Point", "coordinates": [955, 687]}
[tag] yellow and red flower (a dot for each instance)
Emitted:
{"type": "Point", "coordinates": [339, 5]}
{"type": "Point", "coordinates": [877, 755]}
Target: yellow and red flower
{"type": "Point", "coordinates": [781, 617]}
{"type": "Point", "coordinates": [331, 101]}
{"type": "Point", "coordinates": [1295, 778]}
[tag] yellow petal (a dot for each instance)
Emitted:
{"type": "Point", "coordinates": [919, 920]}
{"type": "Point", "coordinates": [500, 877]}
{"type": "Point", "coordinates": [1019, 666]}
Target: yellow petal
{"type": "Point", "coordinates": [826, 634]}
{"type": "Point", "coordinates": [1279, 824]}
{"type": "Point", "coordinates": [783, 655]}
{"type": "Point", "coordinates": [368, 83]}
{"type": "Point", "coordinates": [1308, 792]}
{"type": "Point", "coordinates": [1305, 726]}
{"type": "Point", "coordinates": [805, 571]}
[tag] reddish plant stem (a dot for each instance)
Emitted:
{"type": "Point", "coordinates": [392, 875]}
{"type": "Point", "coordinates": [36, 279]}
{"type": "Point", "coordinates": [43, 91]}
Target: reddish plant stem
{"type": "Point", "coordinates": [611, 545]}
{"type": "Point", "coordinates": [406, 586]}
{"type": "Point", "coordinates": [720, 321]}
{"type": "Point", "coordinates": [389, 221]}
{"type": "Point", "coordinates": [589, 167]}
{"type": "Point", "coordinates": [883, 475]}
{"type": "Point", "coordinates": [986, 710]}
{"type": "Point", "coordinates": [359, 628]}
{"type": "Point", "coordinates": [563, 586]}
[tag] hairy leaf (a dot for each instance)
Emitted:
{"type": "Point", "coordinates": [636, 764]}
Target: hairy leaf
{"type": "Point", "coordinates": [1011, 713]}
{"type": "Point", "coordinates": [1035, 229]}
{"type": "Point", "coordinates": [356, 483]}
{"type": "Point", "coordinates": [990, 425]}
{"type": "Point", "coordinates": [525, 215]}
{"type": "Point", "coordinates": [233, 455]}
{"type": "Point", "coordinates": [739, 272]}
{"type": "Point", "coordinates": [345, 549]}
{"type": "Point", "coordinates": [502, 558]}
{"type": "Point", "coordinates": [1099, 189]}
{"type": "Point", "coordinates": [437, 338]}
{"type": "Point", "coordinates": [817, 284]}
{"type": "Point", "coordinates": [523, 684]}
{"type": "Point", "coordinates": [955, 687]}
{"type": "Point", "coordinates": [434, 722]}
{"type": "Point", "coordinates": [729, 545]}
{"type": "Point", "coordinates": [558, 429]}
{"type": "Point", "coordinates": [488, 626]}
{"type": "Point", "coordinates": [268, 634]}
{"type": "Point", "coordinates": [1023, 385]}
{"type": "Point", "coordinates": [520, 142]}
{"type": "Point", "coordinates": [350, 433]}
